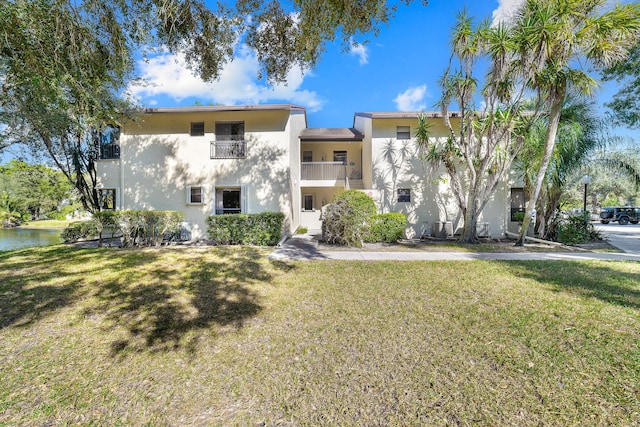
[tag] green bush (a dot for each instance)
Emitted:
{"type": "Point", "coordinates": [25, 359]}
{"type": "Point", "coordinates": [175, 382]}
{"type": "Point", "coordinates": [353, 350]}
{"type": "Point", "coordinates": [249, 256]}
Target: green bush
{"type": "Point", "coordinates": [387, 227]}
{"type": "Point", "coordinates": [62, 213]}
{"type": "Point", "coordinates": [348, 218]}
{"type": "Point", "coordinates": [262, 229]}
{"type": "Point", "coordinates": [576, 230]}
{"type": "Point", "coordinates": [137, 228]}
{"type": "Point", "coordinates": [106, 221]}
{"type": "Point", "coordinates": [148, 228]}
{"type": "Point", "coordinates": [79, 231]}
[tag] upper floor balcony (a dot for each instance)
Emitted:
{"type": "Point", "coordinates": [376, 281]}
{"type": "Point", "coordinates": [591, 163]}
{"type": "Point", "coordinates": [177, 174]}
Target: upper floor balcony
{"type": "Point", "coordinates": [229, 147]}
{"type": "Point", "coordinates": [323, 171]}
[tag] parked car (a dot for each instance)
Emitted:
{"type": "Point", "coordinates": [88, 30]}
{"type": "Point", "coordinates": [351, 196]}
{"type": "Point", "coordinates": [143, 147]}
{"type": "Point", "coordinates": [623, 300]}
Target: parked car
{"type": "Point", "coordinates": [623, 215]}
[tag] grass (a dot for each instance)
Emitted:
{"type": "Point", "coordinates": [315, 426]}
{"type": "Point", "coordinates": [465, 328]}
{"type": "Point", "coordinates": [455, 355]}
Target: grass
{"type": "Point", "coordinates": [48, 223]}
{"type": "Point", "coordinates": [221, 336]}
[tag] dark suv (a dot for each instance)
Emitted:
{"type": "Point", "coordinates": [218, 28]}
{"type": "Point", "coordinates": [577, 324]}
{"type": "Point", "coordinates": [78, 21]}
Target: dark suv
{"type": "Point", "coordinates": [624, 216]}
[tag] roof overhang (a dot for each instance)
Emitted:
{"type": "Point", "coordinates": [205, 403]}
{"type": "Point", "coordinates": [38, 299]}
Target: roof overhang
{"type": "Point", "coordinates": [331, 135]}
{"type": "Point", "coordinates": [224, 108]}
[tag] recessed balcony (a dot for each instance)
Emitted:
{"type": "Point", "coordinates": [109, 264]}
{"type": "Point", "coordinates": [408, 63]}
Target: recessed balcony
{"type": "Point", "coordinates": [323, 171]}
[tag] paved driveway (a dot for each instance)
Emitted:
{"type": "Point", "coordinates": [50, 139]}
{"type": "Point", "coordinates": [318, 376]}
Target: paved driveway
{"type": "Point", "coordinates": [625, 237]}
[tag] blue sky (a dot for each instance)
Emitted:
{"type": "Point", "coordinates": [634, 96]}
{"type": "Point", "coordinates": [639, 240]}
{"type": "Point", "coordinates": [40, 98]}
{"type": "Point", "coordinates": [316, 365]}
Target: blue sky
{"type": "Point", "coordinates": [395, 71]}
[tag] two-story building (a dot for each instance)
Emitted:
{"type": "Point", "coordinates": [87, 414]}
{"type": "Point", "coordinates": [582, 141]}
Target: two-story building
{"type": "Point", "coordinates": [223, 160]}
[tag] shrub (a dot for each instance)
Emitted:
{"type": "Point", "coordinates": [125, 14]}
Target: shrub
{"type": "Point", "coordinates": [387, 227]}
{"type": "Point", "coordinates": [80, 230]}
{"type": "Point", "coordinates": [148, 228]}
{"type": "Point", "coordinates": [106, 221]}
{"type": "Point", "coordinates": [577, 229]}
{"type": "Point", "coordinates": [262, 229]}
{"type": "Point", "coordinates": [61, 214]}
{"type": "Point", "coordinates": [348, 218]}
{"type": "Point", "coordinates": [160, 225]}
{"type": "Point", "coordinates": [138, 228]}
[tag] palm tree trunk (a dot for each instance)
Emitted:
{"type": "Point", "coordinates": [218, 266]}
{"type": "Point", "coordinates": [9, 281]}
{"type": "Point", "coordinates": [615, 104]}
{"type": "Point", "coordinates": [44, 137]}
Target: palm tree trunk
{"type": "Point", "coordinates": [549, 145]}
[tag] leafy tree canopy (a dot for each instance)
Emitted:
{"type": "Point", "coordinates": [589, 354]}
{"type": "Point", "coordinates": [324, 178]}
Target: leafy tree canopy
{"type": "Point", "coordinates": [31, 189]}
{"type": "Point", "coordinates": [64, 64]}
{"type": "Point", "coordinates": [626, 102]}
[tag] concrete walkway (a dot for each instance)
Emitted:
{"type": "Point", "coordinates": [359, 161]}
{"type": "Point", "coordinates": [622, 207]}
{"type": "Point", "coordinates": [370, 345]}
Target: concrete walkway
{"type": "Point", "coordinates": [305, 248]}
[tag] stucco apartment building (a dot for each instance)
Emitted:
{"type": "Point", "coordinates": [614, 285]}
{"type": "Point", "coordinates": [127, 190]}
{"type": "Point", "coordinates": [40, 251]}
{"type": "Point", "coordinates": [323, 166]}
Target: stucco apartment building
{"type": "Point", "coordinates": [216, 160]}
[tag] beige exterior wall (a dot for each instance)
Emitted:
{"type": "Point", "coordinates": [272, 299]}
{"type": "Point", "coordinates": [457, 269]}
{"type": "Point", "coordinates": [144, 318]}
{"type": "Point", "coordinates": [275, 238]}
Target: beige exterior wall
{"type": "Point", "coordinates": [297, 124]}
{"type": "Point", "coordinates": [364, 125]}
{"type": "Point", "coordinates": [396, 164]}
{"type": "Point", "coordinates": [160, 161]}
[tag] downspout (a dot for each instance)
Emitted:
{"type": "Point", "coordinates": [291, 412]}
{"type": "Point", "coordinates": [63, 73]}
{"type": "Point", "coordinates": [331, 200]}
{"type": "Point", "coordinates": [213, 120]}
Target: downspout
{"type": "Point", "coordinates": [346, 180]}
{"type": "Point", "coordinates": [122, 176]}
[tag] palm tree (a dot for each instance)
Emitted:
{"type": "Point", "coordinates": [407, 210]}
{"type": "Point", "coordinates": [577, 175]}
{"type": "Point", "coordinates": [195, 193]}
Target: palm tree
{"type": "Point", "coordinates": [557, 39]}
{"type": "Point", "coordinates": [580, 132]}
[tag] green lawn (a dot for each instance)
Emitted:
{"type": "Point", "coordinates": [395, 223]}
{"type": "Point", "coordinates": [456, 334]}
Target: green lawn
{"type": "Point", "coordinates": [222, 336]}
{"type": "Point", "coordinates": [48, 223]}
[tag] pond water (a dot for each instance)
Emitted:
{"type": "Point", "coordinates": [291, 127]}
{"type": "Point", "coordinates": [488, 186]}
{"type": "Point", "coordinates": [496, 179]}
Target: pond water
{"type": "Point", "coordinates": [18, 238]}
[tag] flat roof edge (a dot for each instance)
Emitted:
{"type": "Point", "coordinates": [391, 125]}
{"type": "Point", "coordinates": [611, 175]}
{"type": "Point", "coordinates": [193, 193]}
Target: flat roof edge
{"type": "Point", "coordinates": [404, 114]}
{"type": "Point", "coordinates": [223, 108]}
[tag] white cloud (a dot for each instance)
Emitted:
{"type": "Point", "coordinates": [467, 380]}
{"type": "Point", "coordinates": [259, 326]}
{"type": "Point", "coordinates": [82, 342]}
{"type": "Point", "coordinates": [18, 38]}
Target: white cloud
{"type": "Point", "coordinates": [412, 99]}
{"type": "Point", "coordinates": [506, 10]}
{"type": "Point", "coordinates": [361, 52]}
{"type": "Point", "coordinates": [167, 74]}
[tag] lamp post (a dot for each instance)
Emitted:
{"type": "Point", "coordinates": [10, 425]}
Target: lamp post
{"type": "Point", "coordinates": [585, 180]}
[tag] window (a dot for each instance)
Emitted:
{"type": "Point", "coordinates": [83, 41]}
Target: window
{"type": "Point", "coordinates": [229, 201]}
{"type": "Point", "coordinates": [518, 202]}
{"type": "Point", "coordinates": [307, 202]}
{"type": "Point", "coordinates": [231, 131]}
{"type": "Point", "coordinates": [404, 195]}
{"type": "Point", "coordinates": [195, 195]}
{"type": "Point", "coordinates": [109, 147]}
{"type": "Point", "coordinates": [197, 129]}
{"type": "Point", "coordinates": [107, 199]}
{"type": "Point", "coordinates": [340, 156]}
{"type": "Point", "coordinates": [307, 156]}
{"type": "Point", "coordinates": [229, 143]}
{"type": "Point", "coordinates": [403, 132]}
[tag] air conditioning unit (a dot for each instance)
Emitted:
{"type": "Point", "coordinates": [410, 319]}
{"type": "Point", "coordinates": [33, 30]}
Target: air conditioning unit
{"type": "Point", "coordinates": [443, 229]}
{"type": "Point", "coordinates": [483, 229]}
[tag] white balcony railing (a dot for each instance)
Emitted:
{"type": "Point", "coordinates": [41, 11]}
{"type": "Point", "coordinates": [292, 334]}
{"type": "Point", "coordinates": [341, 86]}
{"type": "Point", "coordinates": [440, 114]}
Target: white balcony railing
{"type": "Point", "coordinates": [323, 171]}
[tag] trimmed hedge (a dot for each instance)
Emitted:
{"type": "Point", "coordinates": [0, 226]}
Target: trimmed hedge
{"type": "Point", "coordinates": [79, 231]}
{"type": "Point", "coordinates": [262, 229]}
{"type": "Point", "coordinates": [137, 228]}
{"type": "Point", "coordinates": [387, 227]}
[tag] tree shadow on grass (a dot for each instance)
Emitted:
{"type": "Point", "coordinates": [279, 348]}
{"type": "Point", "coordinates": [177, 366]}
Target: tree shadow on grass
{"type": "Point", "coordinates": [600, 281]}
{"type": "Point", "coordinates": [144, 300]}
{"type": "Point", "coordinates": [168, 308]}
{"type": "Point", "coordinates": [37, 282]}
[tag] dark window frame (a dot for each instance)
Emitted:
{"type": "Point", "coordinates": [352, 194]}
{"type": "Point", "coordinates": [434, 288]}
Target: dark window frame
{"type": "Point", "coordinates": [403, 132]}
{"type": "Point", "coordinates": [196, 192]}
{"type": "Point", "coordinates": [517, 207]}
{"type": "Point", "coordinates": [230, 131]}
{"type": "Point", "coordinates": [304, 202]}
{"type": "Point", "coordinates": [197, 129]}
{"type": "Point", "coordinates": [107, 199]}
{"type": "Point", "coordinates": [404, 195]}
{"type": "Point", "coordinates": [338, 154]}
